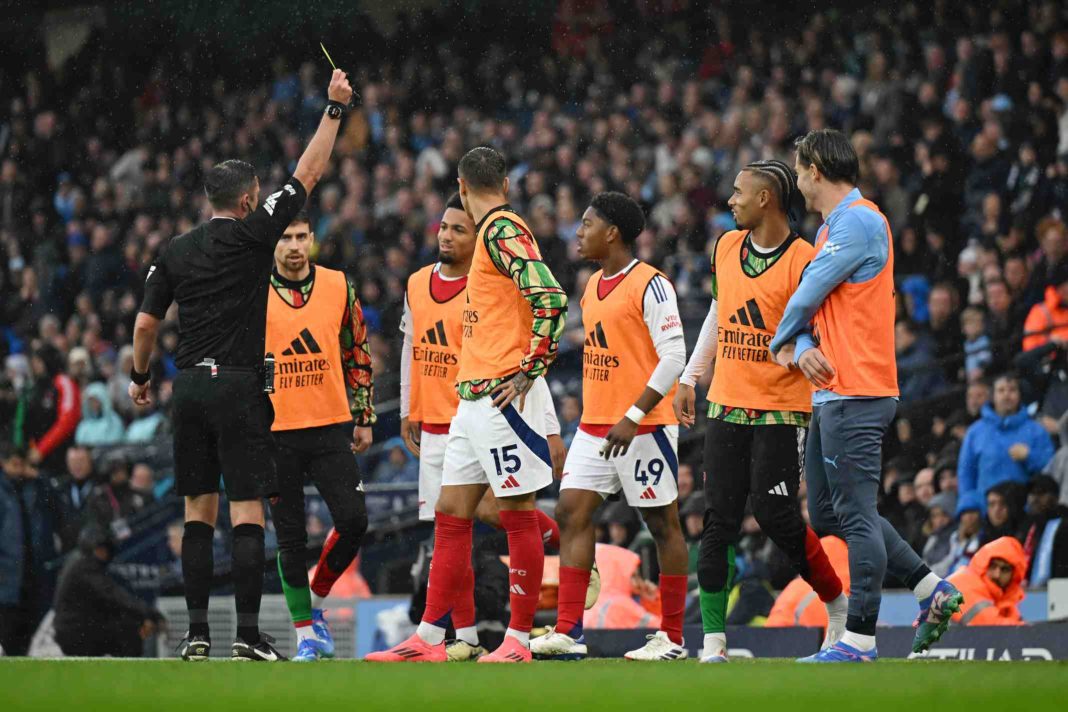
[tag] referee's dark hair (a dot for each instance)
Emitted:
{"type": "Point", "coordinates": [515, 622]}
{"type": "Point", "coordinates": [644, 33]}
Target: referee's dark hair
{"type": "Point", "coordinates": [454, 202]}
{"type": "Point", "coordinates": [621, 210]}
{"type": "Point", "coordinates": [226, 182]}
{"type": "Point", "coordinates": [483, 168]}
{"type": "Point", "coordinates": [832, 154]}
{"type": "Point", "coordinates": [301, 217]}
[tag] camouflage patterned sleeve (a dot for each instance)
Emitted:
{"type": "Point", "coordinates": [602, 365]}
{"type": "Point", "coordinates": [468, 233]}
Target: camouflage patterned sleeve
{"type": "Point", "coordinates": [356, 360]}
{"type": "Point", "coordinates": [515, 253]}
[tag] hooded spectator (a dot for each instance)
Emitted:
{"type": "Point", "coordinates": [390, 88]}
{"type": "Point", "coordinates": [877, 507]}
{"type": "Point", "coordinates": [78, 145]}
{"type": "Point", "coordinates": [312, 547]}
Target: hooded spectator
{"type": "Point", "coordinates": [95, 614]}
{"type": "Point", "coordinates": [1006, 444]}
{"type": "Point", "coordinates": [991, 584]}
{"type": "Point", "coordinates": [1004, 511]}
{"type": "Point", "coordinates": [100, 425]}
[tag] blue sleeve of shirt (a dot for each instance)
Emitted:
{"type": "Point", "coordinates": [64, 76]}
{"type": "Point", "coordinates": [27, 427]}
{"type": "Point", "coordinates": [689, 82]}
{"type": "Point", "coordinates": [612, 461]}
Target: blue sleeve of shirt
{"type": "Point", "coordinates": [1041, 449]}
{"type": "Point", "coordinates": [968, 463]}
{"type": "Point", "coordinates": [852, 250]}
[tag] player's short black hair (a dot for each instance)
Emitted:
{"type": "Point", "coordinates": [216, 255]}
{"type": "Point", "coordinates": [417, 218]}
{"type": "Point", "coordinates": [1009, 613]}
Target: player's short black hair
{"type": "Point", "coordinates": [483, 168]}
{"type": "Point", "coordinates": [454, 202]}
{"type": "Point", "coordinates": [832, 154]}
{"type": "Point", "coordinates": [301, 217]}
{"type": "Point", "coordinates": [621, 210]}
{"type": "Point", "coordinates": [227, 181]}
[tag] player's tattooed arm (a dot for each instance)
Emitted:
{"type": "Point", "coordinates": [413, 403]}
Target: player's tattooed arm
{"type": "Point", "coordinates": [515, 254]}
{"type": "Point", "coordinates": [356, 361]}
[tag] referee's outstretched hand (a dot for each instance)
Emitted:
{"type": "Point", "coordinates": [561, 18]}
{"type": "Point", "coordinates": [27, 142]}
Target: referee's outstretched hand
{"type": "Point", "coordinates": [340, 90]}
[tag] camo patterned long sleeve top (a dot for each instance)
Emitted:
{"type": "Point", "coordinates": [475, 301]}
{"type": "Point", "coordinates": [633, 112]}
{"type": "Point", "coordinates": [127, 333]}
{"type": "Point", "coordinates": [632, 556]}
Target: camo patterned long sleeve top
{"type": "Point", "coordinates": [513, 254]}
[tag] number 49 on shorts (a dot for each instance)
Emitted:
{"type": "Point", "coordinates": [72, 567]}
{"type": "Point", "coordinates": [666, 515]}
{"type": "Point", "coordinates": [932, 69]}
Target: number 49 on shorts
{"type": "Point", "coordinates": [506, 455]}
{"type": "Point", "coordinates": [656, 469]}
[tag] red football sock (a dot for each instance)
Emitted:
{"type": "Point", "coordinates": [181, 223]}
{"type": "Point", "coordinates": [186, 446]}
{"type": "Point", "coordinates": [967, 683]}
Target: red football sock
{"type": "Point", "coordinates": [571, 600]}
{"type": "Point", "coordinates": [448, 567]}
{"type": "Point", "coordinates": [527, 555]}
{"type": "Point", "coordinates": [672, 605]}
{"type": "Point", "coordinates": [324, 578]}
{"type": "Point", "coordinates": [821, 576]}
{"type": "Point", "coordinates": [550, 530]}
{"type": "Point", "coordinates": [463, 613]}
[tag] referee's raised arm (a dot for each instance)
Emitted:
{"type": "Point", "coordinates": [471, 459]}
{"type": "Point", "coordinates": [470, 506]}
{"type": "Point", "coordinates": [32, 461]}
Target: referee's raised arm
{"type": "Point", "coordinates": [267, 222]}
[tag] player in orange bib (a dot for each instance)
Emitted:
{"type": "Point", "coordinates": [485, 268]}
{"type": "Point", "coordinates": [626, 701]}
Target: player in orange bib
{"type": "Point", "coordinates": [848, 296]}
{"type": "Point", "coordinates": [430, 359]}
{"type": "Point", "coordinates": [628, 436]}
{"type": "Point", "coordinates": [757, 412]}
{"type": "Point", "coordinates": [316, 331]}
{"type": "Point", "coordinates": [512, 324]}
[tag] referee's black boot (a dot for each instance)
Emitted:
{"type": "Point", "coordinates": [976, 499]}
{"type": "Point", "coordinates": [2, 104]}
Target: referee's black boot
{"type": "Point", "coordinates": [194, 648]}
{"type": "Point", "coordinates": [261, 651]}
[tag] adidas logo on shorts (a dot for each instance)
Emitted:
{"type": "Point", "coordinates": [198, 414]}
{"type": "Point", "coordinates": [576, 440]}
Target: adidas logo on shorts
{"type": "Point", "coordinates": [779, 489]}
{"type": "Point", "coordinates": [510, 483]}
{"type": "Point", "coordinates": [649, 493]}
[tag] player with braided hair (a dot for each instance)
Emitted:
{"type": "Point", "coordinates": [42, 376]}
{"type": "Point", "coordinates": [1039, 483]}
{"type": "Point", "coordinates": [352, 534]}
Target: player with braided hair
{"type": "Point", "coordinates": [758, 413]}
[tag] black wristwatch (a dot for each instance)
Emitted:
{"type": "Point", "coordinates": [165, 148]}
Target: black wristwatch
{"type": "Point", "coordinates": [140, 378]}
{"type": "Point", "coordinates": [334, 109]}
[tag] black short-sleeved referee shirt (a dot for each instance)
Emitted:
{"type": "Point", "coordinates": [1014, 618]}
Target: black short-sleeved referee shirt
{"type": "Point", "coordinates": [219, 274]}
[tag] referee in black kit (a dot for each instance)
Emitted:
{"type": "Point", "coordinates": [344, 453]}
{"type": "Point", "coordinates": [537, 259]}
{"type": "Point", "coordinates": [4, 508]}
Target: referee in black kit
{"type": "Point", "coordinates": [219, 274]}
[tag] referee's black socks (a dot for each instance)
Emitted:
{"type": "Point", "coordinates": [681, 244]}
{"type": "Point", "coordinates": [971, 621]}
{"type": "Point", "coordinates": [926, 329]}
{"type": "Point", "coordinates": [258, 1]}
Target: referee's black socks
{"type": "Point", "coordinates": [198, 564]}
{"type": "Point", "coordinates": [247, 568]}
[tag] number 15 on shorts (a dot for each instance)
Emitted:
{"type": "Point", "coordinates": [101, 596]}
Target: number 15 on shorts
{"type": "Point", "coordinates": [510, 460]}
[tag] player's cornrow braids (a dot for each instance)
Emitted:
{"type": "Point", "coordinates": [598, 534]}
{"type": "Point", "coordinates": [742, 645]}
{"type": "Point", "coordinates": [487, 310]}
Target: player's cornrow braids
{"type": "Point", "coordinates": [782, 176]}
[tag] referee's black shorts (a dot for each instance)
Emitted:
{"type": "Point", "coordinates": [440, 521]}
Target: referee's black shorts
{"type": "Point", "coordinates": [222, 426]}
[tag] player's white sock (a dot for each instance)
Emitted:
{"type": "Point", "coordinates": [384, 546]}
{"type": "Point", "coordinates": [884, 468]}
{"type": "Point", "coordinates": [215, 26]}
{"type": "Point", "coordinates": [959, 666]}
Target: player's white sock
{"type": "Point", "coordinates": [469, 635]}
{"type": "Point", "coordinates": [715, 643]}
{"type": "Point", "coordinates": [306, 631]}
{"type": "Point", "coordinates": [837, 611]}
{"type": "Point", "coordinates": [318, 601]}
{"type": "Point", "coordinates": [858, 641]}
{"type": "Point", "coordinates": [522, 637]}
{"type": "Point", "coordinates": [925, 587]}
{"type": "Point", "coordinates": [430, 633]}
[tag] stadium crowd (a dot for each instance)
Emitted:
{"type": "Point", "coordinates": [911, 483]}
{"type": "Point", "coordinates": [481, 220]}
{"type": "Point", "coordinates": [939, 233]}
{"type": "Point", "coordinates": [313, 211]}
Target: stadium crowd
{"type": "Point", "coordinates": [959, 113]}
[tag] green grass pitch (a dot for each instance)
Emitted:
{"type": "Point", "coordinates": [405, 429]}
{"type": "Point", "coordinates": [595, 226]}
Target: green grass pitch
{"type": "Point", "coordinates": [783, 686]}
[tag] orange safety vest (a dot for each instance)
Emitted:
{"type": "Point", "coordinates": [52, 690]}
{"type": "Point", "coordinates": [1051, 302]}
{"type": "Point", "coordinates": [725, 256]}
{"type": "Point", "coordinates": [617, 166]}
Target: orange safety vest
{"type": "Point", "coordinates": [618, 356]}
{"type": "Point", "coordinates": [497, 320]}
{"type": "Point", "coordinates": [437, 308]}
{"type": "Point", "coordinates": [855, 326]}
{"type": "Point", "coordinates": [309, 379]}
{"type": "Point", "coordinates": [748, 313]}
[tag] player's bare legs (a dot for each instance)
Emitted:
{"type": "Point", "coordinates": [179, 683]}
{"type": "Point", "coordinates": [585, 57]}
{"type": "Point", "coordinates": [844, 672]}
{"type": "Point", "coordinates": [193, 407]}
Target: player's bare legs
{"type": "Point", "coordinates": [574, 514]}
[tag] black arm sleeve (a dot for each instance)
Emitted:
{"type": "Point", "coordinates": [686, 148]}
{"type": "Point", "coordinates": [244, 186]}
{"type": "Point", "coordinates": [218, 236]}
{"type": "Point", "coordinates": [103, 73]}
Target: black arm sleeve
{"type": "Point", "coordinates": [267, 222]}
{"type": "Point", "coordinates": [159, 292]}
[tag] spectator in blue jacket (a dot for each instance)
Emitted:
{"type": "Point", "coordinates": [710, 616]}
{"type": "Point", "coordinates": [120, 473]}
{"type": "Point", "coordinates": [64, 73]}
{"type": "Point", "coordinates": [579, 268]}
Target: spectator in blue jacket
{"type": "Point", "coordinates": [918, 373]}
{"type": "Point", "coordinates": [27, 544]}
{"type": "Point", "coordinates": [1004, 445]}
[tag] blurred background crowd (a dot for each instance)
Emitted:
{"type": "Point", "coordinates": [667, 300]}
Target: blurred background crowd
{"type": "Point", "coordinates": [958, 111]}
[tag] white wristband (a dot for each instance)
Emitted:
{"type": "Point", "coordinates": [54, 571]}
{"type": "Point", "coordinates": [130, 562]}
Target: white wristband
{"type": "Point", "coordinates": [635, 414]}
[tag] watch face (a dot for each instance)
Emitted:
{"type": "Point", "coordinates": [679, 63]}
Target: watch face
{"type": "Point", "coordinates": [334, 112]}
